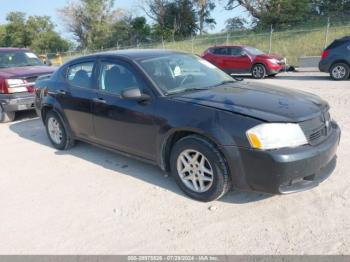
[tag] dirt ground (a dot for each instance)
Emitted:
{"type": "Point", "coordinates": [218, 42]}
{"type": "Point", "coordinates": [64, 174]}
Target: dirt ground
{"type": "Point", "coordinates": [91, 201]}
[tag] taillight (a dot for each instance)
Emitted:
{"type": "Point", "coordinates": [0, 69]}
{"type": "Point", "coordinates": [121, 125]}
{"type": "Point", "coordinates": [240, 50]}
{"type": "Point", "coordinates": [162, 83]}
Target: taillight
{"type": "Point", "coordinates": [325, 54]}
{"type": "Point", "coordinates": [3, 87]}
{"type": "Point", "coordinates": [16, 86]}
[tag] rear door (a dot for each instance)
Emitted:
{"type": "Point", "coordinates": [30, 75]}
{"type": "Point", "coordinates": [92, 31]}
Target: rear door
{"type": "Point", "coordinates": [75, 97]}
{"type": "Point", "coordinates": [125, 125]}
{"type": "Point", "coordinates": [222, 58]}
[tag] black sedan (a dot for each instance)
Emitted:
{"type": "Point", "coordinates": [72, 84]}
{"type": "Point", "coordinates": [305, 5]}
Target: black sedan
{"type": "Point", "coordinates": [183, 114]}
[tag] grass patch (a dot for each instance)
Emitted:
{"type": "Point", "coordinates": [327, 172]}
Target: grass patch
{"type": "Point", "coordinates": [290, 44]}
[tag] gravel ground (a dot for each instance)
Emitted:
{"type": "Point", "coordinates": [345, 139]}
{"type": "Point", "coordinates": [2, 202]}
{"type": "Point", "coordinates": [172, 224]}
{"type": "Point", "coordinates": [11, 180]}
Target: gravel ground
{"type": "Point", "coordinates": [91, 201]}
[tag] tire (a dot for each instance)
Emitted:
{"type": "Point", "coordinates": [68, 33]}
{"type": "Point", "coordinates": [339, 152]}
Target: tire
{"type": "Point", "coordinates": [213, 161]}
{"type": "Point", "coordinates": [258, 71]}
{"type": "Point", "coordinates": [339, 71]}
{"type": "Point", "coordinates": [57, 133]}
{"type": "Point", "coordinates": [6, 117]}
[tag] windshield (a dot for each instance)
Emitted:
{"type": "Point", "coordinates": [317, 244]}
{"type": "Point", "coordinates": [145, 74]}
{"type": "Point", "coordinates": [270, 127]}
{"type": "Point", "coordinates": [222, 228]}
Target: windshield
{"type": "Point", "coordinates": [254, 51]}
{"type": "Point", "coordinates": [180, 73]}
{"type": "Point", "coordinates": [18, 59]}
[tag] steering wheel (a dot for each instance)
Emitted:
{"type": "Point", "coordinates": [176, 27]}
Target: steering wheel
{"type": "Point", "coordinates": [186, 77]}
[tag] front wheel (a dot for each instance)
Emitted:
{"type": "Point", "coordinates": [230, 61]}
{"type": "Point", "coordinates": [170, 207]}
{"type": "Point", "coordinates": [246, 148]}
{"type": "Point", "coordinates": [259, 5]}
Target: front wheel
{"type": "Point", "coordinates": [57, 133]}
{"type": "Point", "coordinates": [199, 169]}
{"type": "Point", "coordinates": [6, 116]}
{"type": "Point", "coordinates": [340, 71]}
{"type": "Point", "coordinates": [258, 71]}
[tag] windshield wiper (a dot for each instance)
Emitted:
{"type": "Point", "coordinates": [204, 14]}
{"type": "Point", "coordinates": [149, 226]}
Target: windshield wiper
{"type": "Point", "coordinates": [224, 83]}
{"type": "Point", "coordinates": [26, 65]}
{"type": "Point", "coordinates": [183, 90]}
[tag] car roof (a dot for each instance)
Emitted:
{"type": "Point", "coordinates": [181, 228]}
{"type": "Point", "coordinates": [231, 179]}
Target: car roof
{"type": "Point", "coordinates": [347, 38]}
{"type": "Point", "coordinates": [137, 54]}
{"type": "Point", "coordinates": [8, 49]}
{"type": "Point", "coordinates": [225, 46]}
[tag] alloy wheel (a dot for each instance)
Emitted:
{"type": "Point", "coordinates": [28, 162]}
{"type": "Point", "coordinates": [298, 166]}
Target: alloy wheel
{"type": "Point", "coordinates": [258, 71]}
{"type": "Point", "coordinates": [55, 130]}
{"type": "Point", "coordinates": [339, 72]}
{"type": "Point", "coordinates": [195, 171]}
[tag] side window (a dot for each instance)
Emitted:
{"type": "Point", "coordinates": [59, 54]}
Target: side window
{"type": "Point", "coordinates": [116, 77]}
{"type": "Point", "coordinates": [235, 51]}
{"type": "Point", "coordinates": [80, 74]}
{"type": "Point", "coordinates": [220, 51]}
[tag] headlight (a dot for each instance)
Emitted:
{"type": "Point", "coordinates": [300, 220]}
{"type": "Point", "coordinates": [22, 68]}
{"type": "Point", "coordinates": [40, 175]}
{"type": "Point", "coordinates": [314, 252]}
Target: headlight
{"type": "Point", "coordinates": [276, 135]}
{"type": "Point", "coordinates": [274, 61]}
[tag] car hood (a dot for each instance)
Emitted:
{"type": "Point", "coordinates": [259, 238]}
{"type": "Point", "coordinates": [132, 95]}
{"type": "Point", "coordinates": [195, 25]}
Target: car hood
{"type": "Point", "coordinates": [27, 71]}
{"type": "Point", "coordinates": [261, 101]}
{"type": "Point", "coordinates": [270, 56]}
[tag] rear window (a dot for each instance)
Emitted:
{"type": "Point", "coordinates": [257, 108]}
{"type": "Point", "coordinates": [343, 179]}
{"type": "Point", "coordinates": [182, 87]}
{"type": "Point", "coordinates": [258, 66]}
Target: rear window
{"type": "Point", "coordinates": [339, 42]}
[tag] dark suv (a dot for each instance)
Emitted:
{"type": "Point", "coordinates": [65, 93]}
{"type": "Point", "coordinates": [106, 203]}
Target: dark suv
{"type": "Point", "coordinates": [336, 59]}
{"type": "Point", "coordinates": [19, 69]}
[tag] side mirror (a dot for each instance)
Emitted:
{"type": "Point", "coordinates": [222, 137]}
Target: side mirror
{"type": "Point", "coordinates": [135, 94]}
{"type": "Point", "coordinates": [243, 54]}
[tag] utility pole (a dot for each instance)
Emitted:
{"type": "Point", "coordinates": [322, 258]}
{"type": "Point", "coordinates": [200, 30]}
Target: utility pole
{"type": "Point", "coordinates": [327, 32]}
{"type": "Point", "coordinates": [271, 33]}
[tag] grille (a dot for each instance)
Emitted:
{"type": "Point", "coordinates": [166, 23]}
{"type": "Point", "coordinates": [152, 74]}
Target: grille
{"type": "Point", "coordinates": [317, 129]}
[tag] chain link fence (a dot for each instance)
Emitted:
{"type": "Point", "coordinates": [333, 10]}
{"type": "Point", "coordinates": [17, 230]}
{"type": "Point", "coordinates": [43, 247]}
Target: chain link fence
{"type": "Point", "coordinates": [292, 44]}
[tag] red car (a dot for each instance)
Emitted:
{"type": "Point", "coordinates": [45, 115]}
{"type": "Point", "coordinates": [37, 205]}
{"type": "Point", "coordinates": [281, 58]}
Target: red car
{"type": "Point", "coordinates": [245, 59]}
{"type": "Point", "coordinates": [19, 69]}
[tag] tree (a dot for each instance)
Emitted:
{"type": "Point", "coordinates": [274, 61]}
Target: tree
{"type": "Point", "coordinates": [140, 30]}
{"type": "Point", "coordinates": [204, 8]}
{"type": "Point", "coordinates": [180, 16]}
{"type": "Point", "coordinates": [331, 7]}
{"type": "Point", "coordinates": [36, 32]}
{"type": "Point", "coordinates": [2, 35]}
{"type": "Point", "coordinates": [278, 13]}
{"type": "Point", "coordinates": [50, 42]}
{"type": "Point", "coordinates": [90, 21]}
{"type": "Point", "coordinates": [235, 24]}
{"type": "Point", "coordinates": [177, 17]}
{"type": "Point", "coordinates": [16, 31]}
{"type": "Point", "coordinates": [156, 10]}
{"type": "Point", "coordinates": [129, 31]}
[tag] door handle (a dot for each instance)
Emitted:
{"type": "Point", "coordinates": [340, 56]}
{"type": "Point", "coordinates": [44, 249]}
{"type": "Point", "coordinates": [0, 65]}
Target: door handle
{"type": "Point", "coordinates": [62, 92]}
{"type": "Point", "coordinates": [99, 100]}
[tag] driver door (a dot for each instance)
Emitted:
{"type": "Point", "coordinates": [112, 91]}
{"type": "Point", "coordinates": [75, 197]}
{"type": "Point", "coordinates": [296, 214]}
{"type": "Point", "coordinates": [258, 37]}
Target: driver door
{"type": "Point", "coordinates": [239, 61]}
{"type": "Point", "coordinates": [125, 125]}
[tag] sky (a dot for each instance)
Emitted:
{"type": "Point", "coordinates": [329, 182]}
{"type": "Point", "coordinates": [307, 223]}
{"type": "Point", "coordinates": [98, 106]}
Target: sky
{"type": "Point", "coordinates": [49, 8]}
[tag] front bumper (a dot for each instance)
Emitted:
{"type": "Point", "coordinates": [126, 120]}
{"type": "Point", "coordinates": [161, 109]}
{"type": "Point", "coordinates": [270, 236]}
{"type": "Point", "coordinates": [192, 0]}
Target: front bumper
{"type": "Point", "coordinates": [17, 102]}
{"type": "Point", "coordinates": [275, 68]}
{"type": "Point", "coordinates": [285, 170]}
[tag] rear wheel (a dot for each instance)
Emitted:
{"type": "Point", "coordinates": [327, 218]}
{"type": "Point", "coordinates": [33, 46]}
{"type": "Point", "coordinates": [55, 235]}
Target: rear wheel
{"type": "Point", "coordinates": [199, 169]}
{"type": "Point", "coordinates": [258, 71]}
{"type": "Point", "coordinates": [340, 71]}
{"type": "Point", "coordinates": [6, 116]}
{"type": "Point", "coordinates": [57, 132]}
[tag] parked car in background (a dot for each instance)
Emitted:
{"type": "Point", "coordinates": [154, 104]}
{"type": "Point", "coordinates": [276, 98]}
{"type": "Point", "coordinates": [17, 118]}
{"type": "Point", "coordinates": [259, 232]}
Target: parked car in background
{"type": "Point", "coordinates": [240, 59]}
{"type": "Point", "coordinates": [19, 69]}
{"type": "Point", "coordinates": [335, 59]}
{"type": "Point", "coordinates": [183, 114]}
